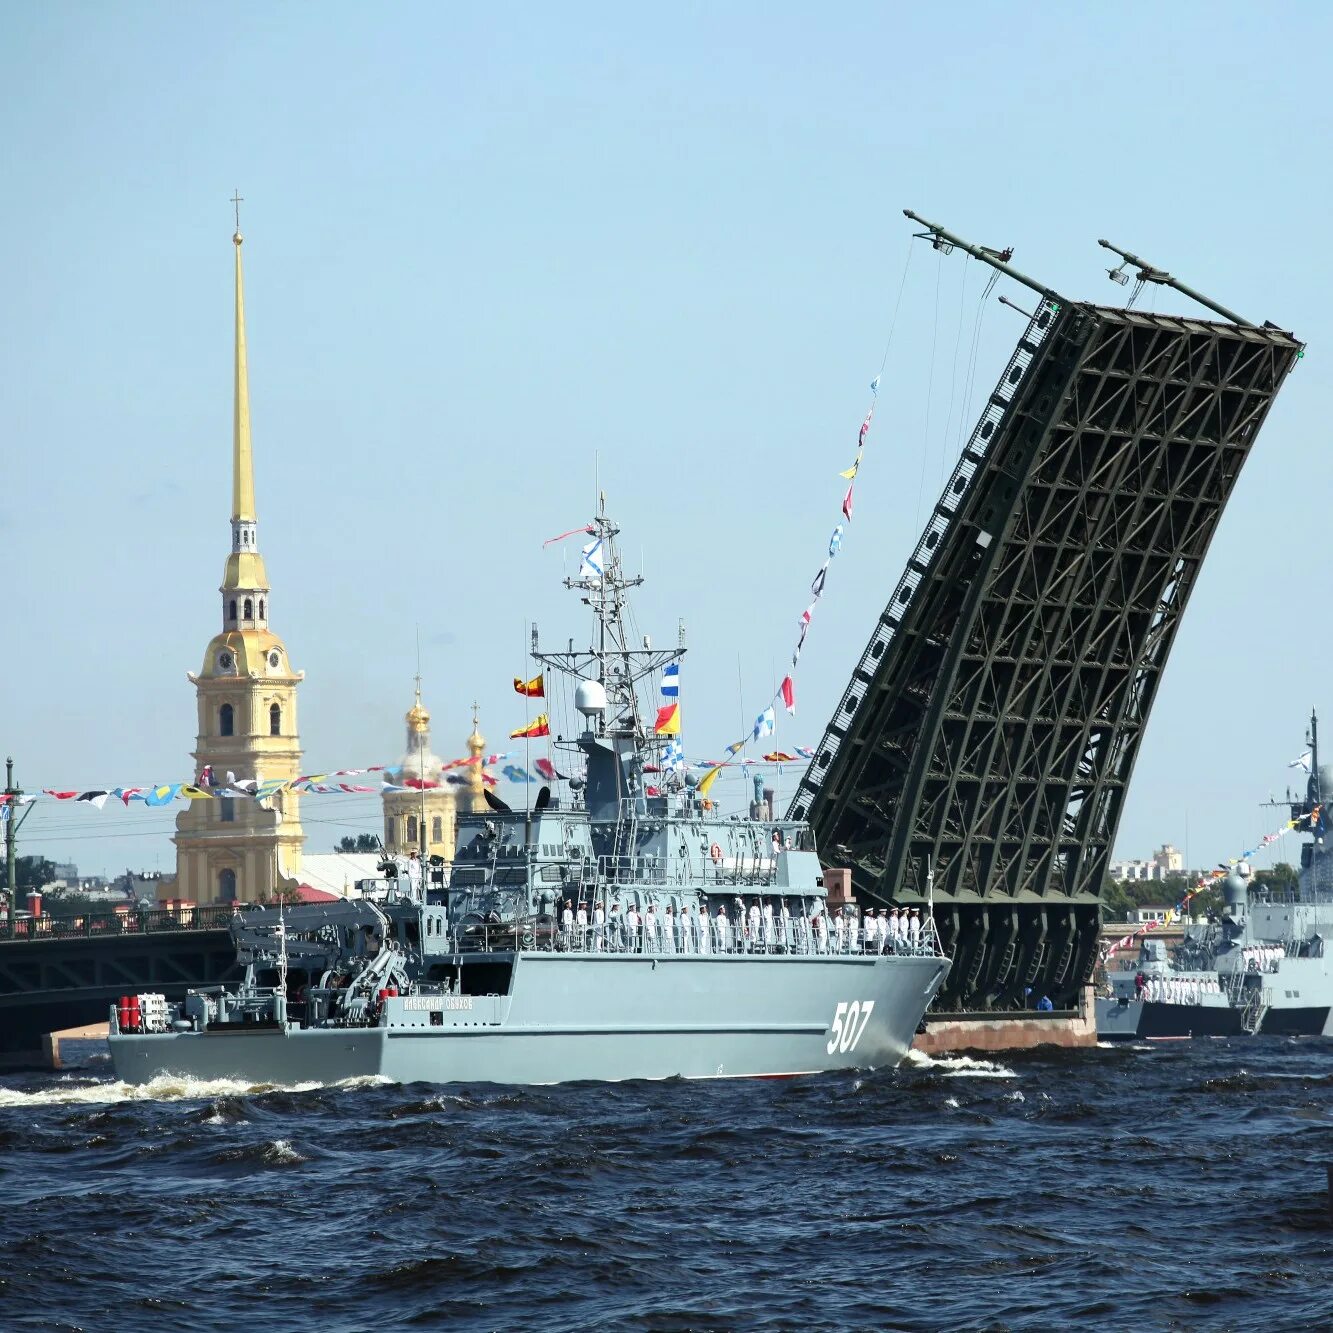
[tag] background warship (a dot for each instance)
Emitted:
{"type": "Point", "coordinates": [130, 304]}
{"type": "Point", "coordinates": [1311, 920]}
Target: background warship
{"type": "Point", "coordinates": [1262, 967]}
{"type": "Point", "coordinates": [629, 931]}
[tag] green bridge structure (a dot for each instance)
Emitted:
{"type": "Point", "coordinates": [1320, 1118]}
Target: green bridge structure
{"type": "Point", "coordinates": [66, 972]}
{"type": "Point", "coordinates": [980, 755]}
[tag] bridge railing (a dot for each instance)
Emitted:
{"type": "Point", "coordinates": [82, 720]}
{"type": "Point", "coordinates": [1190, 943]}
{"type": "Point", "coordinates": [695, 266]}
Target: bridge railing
{"type": "Point", "coordinates": [138, 921]}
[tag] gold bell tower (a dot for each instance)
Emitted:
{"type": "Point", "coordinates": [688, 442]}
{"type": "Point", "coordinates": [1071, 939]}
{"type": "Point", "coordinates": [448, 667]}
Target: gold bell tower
{"type": "Point", "coordinates": [238, 847]}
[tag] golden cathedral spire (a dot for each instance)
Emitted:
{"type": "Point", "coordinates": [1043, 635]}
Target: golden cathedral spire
{"type": "Point", "coordinates": [242, 460]}
{"type": "Point", "coordinates": [245, 571]}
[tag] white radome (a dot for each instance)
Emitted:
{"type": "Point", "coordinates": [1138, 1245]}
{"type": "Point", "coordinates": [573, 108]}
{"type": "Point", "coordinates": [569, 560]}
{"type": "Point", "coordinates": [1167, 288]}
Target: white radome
{"type": "Point", "coordinates": [590, 697]}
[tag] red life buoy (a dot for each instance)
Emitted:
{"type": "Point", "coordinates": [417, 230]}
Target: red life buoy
{"type": "Point", "coordinates": [715, 852]}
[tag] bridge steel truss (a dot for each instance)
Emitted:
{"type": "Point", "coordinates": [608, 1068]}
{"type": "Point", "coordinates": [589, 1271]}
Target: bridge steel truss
{"type": "Point", "coordinates": [990, 728]}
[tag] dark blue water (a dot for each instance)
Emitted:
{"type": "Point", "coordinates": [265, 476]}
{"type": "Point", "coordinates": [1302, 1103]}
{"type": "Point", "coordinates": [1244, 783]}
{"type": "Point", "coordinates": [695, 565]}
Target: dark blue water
{"type": "Point", "coordinates": [1181, 1186]}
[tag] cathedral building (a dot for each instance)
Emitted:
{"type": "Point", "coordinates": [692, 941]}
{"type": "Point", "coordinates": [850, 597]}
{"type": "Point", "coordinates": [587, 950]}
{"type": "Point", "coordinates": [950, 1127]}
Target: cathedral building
{"type": "Point", "coordinates": [425, 816]}
{"type": "Point", "coordinates": [241, 848]}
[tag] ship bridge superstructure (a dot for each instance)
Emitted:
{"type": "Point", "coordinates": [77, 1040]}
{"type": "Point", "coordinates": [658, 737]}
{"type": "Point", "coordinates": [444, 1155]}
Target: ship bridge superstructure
{"type": "Point", "coordinates": [980, 754]}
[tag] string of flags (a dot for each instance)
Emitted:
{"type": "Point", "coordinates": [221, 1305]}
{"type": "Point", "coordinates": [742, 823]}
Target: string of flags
{"type": "Point", "coordinates": [392, 779]}
{"type": "Point", "coordinates": [765, 724]}
{"type": "Point", "coordinates": [1313, 822]}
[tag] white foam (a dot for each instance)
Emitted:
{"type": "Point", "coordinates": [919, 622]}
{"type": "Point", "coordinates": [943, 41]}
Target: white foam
{"type": "Point", "coordinates": [281, 1153]}
{"type": "Point", "coordinates": [959, 1066]}
{"type": "Point", "coordinates": [166, 1087]}
{"type": "Point", "coordinates": [1015, 1096]}
{"type": "Point", "coordinates": [951, 1102]}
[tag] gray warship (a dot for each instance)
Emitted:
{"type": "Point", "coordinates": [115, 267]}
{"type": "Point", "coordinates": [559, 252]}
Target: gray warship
{"type": "Point", "coordinates": [1263, 966]}
{"type": "Point", "coordinates": [624, 929]}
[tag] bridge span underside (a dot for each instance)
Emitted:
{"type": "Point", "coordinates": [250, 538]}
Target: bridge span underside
{"type": "Point", "coordinates": [47, 985]}
{"type": "Point", "coordinates": [991, 726]}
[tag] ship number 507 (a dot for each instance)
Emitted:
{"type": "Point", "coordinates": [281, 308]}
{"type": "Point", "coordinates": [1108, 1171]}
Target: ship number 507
{"type": "Point", "coordinates": [848, 1025]}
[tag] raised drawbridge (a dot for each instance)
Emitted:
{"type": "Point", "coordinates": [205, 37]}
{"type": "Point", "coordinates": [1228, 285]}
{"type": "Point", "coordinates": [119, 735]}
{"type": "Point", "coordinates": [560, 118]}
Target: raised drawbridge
{"type": "Point", "coordinates": [981, 752]}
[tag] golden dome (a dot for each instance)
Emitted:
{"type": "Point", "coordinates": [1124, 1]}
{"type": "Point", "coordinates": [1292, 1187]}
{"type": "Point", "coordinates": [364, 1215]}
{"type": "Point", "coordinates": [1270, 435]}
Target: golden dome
{"type": "Point", "coordinates": [418, 717]}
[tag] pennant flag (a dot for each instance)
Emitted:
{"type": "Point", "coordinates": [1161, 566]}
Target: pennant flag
{"type": "Point", "coordinates": [271, 788]}
{"type": "Point", "coordinates": [779, 757]}
{"type": "Point", "coordinates": [765, 724]}
{"type": "Point", "coordinates": [540, 726]}
{"type": "Point", "coordinates": [1302, 761]}
{"type": "Point", "coordinates": [789, 695]}
{"type": "Point", "coordinates": [343, 786]}
{"type": "Point", "coordinates": [549, 771]}
{"type": "Point", "coordinates": [97, 798]}
{"type": "Point", "coordinates": [850, 472]}
{"type": "Point", "coordinates": [516, 774]}
{"type": "Point", "coordinates": [668, 720]}
{"type": "Point", "coordinates": [671, 681]}
{"type": "Point", "coordinates": [737, 746]}
{"type": "Point", "coordinates": [817, 587]}
{"type": "Point", "coordinates": [533, 689]}
{"type": "Point", "coordinates": [706, 782]}
{"type": "Point", "coordinates": [60, 795]}
{"type": "Point", "coordinates": [128, 794]}
{"type": "Point", "coordinates": [489, 781]}
{"type": "Point", "coordinates": [835, 542]}
{"type": "Point", "coordinates": [847, 503]}
{"type": "Point", "coordinates": [805, 752]}
{"type": "Point", "coordinates": [590, 566]}
{"type": "Point", "coordinates": [420, 784]}
{"type": "Point", "coordinates": [196, 793]}
{"type": "Point", "coordinates": [572, 532]}
{"type": "Point", "coordinates": [874, 384]}
{"type": "Point", "coordinates": [162, 795]}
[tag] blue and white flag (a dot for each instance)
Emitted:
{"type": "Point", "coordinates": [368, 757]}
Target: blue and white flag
{"type": "Point", "coordinates": [765, 724]}
{"type": "Point", "coordinates": [674, 756]}
{"type": "Point", "coordinates": [1303, 761]}
{"type": "Point", "coordinates": [874, 384]}
{"type": "Point", "coordinates": [591, 567]}
{"type": "Point", "coordinates": [835, 542]}
{"type": "Point", "coordinates": [671, 681]}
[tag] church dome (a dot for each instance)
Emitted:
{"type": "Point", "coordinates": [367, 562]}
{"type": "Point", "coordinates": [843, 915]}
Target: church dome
{"type": "Point", "coordinates": [419, 760]}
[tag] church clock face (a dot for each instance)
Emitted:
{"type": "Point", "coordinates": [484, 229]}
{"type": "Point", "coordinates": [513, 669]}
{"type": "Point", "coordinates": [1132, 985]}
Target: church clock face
{"type": "Point", "coordinates": [274, 659]}
{"type": "Point", "coordinates": [226, 662]}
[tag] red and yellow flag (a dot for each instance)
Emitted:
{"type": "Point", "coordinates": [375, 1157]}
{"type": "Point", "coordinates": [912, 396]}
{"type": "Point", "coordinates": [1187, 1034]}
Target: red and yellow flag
{"type": "Point", "coordinates": [539, 726]}
{"type": "Point", "coordinates": [533, 689]}
{"type": "Point", "coordinates": [668, 720]}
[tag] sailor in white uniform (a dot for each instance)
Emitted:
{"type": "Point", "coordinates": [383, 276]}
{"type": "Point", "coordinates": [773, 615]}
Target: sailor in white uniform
{"type": "Point", "coordinates": [770, 938]}
{"type": "Point", "coordinates": [785, 925]}
{"type": "Point", "coordinates": [821, 932]}
{"type": "Point", "coordinates": [752, 934]}
{"type": "Point", "coordinates": [632, 927]}
{"type": "Point", "coordinates": [669, 929]}
{"type": "Point", "coordinates": [650, 929]}
{"type": "Point", "coordinates": [888, 932]}
{"type": "Point", "coordinates": [567, 924]}
{"type": "Point", "coordinates": [581, 924]}
{"type": "Point", "coordinates": [599, 926]}
{"type": "Point", "coordinates": [723, 930]}
{"type": "Point", "coordinates": [914, 929]}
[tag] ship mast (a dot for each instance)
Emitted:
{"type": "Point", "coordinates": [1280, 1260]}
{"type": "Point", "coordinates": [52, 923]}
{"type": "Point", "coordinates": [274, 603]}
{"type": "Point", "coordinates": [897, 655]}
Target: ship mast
{"type": "Point", "coordinates": [610, 659]}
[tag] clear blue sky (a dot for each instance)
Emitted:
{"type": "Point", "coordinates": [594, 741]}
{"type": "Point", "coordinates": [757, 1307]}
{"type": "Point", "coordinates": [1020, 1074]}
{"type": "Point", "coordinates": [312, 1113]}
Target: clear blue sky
{"type": "Point", "coordinates": [487, 245]}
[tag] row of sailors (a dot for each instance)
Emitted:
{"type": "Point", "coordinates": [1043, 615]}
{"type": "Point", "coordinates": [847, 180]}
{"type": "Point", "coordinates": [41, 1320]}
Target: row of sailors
{"type": "Point", "coordinates": [757, 929]}
{"type": "Point", "coordinates": [1178, 990]}
{"type": "Point", "coordinates": [1262, 957]}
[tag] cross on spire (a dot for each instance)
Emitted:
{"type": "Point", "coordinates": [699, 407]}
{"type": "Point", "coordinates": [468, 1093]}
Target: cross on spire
{"type": "Point", "coordinates": [237, 200]}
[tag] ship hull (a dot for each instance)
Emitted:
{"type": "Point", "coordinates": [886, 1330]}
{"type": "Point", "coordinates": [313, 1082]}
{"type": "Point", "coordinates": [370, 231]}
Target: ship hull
{"type": "Point", "coordinates": [571, 1017]}
{"type": "Point", "coordinates": [1149, 1020]}
{"type": "Point", "coordinates": [1152, 1020]}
